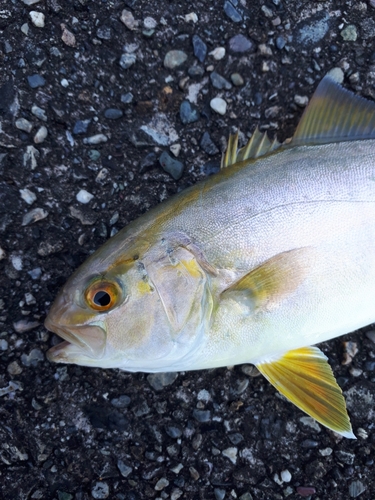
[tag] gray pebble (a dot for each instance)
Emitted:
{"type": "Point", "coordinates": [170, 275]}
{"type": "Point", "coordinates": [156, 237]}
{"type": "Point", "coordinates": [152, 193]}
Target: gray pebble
{"type": "Point", "coordinates": [39, 113]}
{"type": "Point", "coordinates": [280, 42]}
{"type": "Point", "coordinates": [349, 33]}
{"type": "Point", "coordinates": [34, 215]}
{"type": "Point", "coordinates": [237, 79]}
{"type": "Point", "coordinates": [161, 484]}
{"type": "Point", "coordinates": [309, 443]}
{"type": "Point", "coordinates": [246, 496]}
{"type": "Point", "coordinates": [202, 415]}
{"type": "Point", "coordinates": [100, 490]}
{"type": "Point", "coordinates": [235, 438]}
{"type": "Point", "coordinates": [208, 145]}
{"type": "Point", "coordinates": [124, 469]}
{"type": "Point", "coordinates": [232, 12]}
{"type": "Point", "coordinates": [23, 124]}
{"type": "Point", "coordinates": [113, 113]}
{"type": "Point", "coordinates": [36, 81]}
{"type": "Point", "coordinates": [142, 409]}
{"type": "Point", "coordinates": [14, 368]}
{"type": "Point", "coordinates": [32, 359]}
{"type": "Point", "coordinates": [219, 494]}
{"type": "Point", "coordinates": [219, 82]}
{"type": "Point", "coordinates": [370, 366]}
{"type": "Point", "coordinates": [172, 166]}
{"type": "Point", "coordinates": [173, 431]}
{"type": "Point", "coordinates": [3, 345]}
{"type": "Point", "coordinates": [127, 60]}
{"type": "Point", "coordinates": [345, 457]}
{"type": "Point", "coordinates": [240, 386]}
{"type": "Point", "coordinates": [147, 162]}
{"type": "Point", "coordinates": [188, 113]}
{"type": "Point", "coordinates": [35, 274]}
{"type": "Point", "coordinates": [160, 380]}
{"type": "Point", "coordinates": [104, 33]}
{"type": "Point", "coordinates": [356, 488]}
{"type": "Point", "coordinates": [200, 48]}
{"type": "Point", "coordinates": [239, 43]}
{"type": "Point", "coordinates": [81, 126]}
{"type": "Point", "coordinates": [315, 30]}
{"type": "Point", "coordinates": [174, 58]}
{"type": "Point", "coordinates": [94, 154]}
{"type": "Point", "coordinates": [95, 139]}
{"type": "Point", "coordinates": [195, 71]}
{"type": "Point", "coordinates": [121, 402]}
{"type": "Point", "coordinates": [127, 98]}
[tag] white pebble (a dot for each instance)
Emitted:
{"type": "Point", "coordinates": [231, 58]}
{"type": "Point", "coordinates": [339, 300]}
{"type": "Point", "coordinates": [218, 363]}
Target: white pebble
{"type": "Point", "coordinates": [25, 29]}
{"type": "Point", "coordinates": [231, 453]}
{"type": "Point", "coordinates": [336, 74]}
{"type": "Point", "coordinates": [286, 476]}
{"type": "Point", "coordinates": [191, 17]}
{"type": "Point", "coordinates": [34, 215]}
{"type": "Point", "coordinates": [28, 196]}
{"type": "Point", "coordinates": [23, 124]}
{"type": "Point", "coordinates": [64, 82]}
{"type": "Point", "coordinates": [16, 261]}
{"type": "Point", "coordinates": [67, 36]}
{"type": "Point", "coordinates": [128, 19]}
{"type": "Point", "coordinates": [96, 139]}
{"type": "Point", "coordinates": [30, 2]}
{"type": "Point", "coordinates": [150, 23]}
{"type": "Point", "coordinates": [218, 53]}
{"type": "Point", "coordinates": [37, 18]}
{"type": "Point", "coordinates": [40, 135]}
{"type": "Point", "coordinates": [301, 100]}
{"type": "Point", "coordinates": [84, 196]}
{"type": "Point", "coordinates": [175, 149]}
{"type": "Point", "coordinates": [219, 105]}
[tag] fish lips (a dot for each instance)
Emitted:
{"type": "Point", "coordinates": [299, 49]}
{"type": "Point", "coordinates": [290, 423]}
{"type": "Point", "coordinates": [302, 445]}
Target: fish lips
{"type": "Point", "coordinates": [87, 341]}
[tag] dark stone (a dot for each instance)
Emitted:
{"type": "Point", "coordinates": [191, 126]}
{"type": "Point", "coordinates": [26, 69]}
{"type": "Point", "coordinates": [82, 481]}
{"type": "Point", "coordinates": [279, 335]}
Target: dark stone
{"type": "Point", "coordinates": [121, 402]}
{"type": "Point", "coordinates": [239, 43]}
{"type": "Point", "coordinates": [36, 81]}
{"type": "Point", "coordinates": [113, 113]}
{"type": "Point", "coordinates": [200, 48]}
{"type": "Point", "coordinates": [195, 71]}
{"type": "Point", "coordinates": [81, 126]}
{"type": "Point", "coordinates": [173, 167]}
{"type": "Point", "coordinates": [147, 162]}
{"type": "Point", "coordinates": [202, 415]}
{"type": "Point", "coordinates": [232, 12]}
{"type": "Point", "coordinates": [219, 82]}
{"type": "Point", "coordinates": [106, 418]}
{"type": "Point", "coordinates": [211, 167]}
{"type": "Point", "coordinates": [208, 145]}
{"type": "Point", "coordinates": [188, 113]}
{"type": "Point", "coordinates": [104, 33]}
{"type": "Point", "coordinates": [7, 95]}
{"type": "Point", "coordinates": [280, 42]}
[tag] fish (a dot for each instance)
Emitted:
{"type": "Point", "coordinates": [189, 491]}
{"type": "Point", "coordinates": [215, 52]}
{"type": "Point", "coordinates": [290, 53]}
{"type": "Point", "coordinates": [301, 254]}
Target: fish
{"type": "Point", "coordinates": [256, 264]}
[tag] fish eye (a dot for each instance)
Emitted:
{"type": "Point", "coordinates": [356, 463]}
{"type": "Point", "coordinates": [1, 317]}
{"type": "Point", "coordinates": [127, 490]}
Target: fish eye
{"type": "Point", "coordinates": [102, 295]}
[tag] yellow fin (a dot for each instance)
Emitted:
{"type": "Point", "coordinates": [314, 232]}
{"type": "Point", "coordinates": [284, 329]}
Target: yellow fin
{"type": "Point", "coordinates": [306, 379]}
{"type": "Point", "coordinates": [258, 145]}
{"type": "Point", "coordinates": [267, 285]}
{"type": "Point", "coordinates": [335, 114]}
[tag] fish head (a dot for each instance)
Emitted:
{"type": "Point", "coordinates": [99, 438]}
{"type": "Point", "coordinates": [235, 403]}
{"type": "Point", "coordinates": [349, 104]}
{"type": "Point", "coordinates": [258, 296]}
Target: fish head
{"type": "Point", "coordinates": [143, 313]}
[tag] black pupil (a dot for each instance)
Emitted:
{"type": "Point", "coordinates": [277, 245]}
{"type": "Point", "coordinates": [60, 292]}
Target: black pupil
{"type": "Point", "coordinates": [102, 299]}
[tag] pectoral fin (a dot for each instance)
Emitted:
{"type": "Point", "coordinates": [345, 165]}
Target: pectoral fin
{"type": "Point", "coordinates": [306, 379]}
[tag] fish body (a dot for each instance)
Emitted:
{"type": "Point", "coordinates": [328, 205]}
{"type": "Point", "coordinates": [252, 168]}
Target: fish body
{"type": "Point", "coordinates": [253, 265]}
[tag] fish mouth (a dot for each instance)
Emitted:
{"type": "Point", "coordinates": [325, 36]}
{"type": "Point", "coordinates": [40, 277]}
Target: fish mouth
{"type": "Point", "coordinates": [83, 342]}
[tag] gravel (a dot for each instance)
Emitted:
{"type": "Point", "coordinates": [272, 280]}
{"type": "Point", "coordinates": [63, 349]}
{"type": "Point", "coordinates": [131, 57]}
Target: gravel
{"type": "Point", "coordinates": [116, 85]}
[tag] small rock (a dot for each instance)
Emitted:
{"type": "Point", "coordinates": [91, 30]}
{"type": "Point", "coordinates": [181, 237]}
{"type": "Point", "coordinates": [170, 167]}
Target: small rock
{"type": "Point", "coordinates": [124, 469]}
{"type": "Point", "coordinates": [301, 100]}
{"type": "Point", "coordinates": [127, 60]}
{"type": "Point", "coordinates": [41, 135]}
{"type": "Point", "coordinates": [24, 325]}
{"type": "Point", "coordinates": [219, 82]}
{"type": "Point", "coordinates": [235, 438]}
{"type": "Point", "coordinates": [280, 42]}
{"type": "Point", "coordinates": [30, 2]}
{"type": "Point", "coordinates": [188, 113]}
{"type": "Point", "coordinates": [81, 126]}
{"type": "Point", "coordinates": [231, 453]}
{"type": "Point", "coordinates": [23, 124]}
{"type": "Point", "coordinates": [32, 359]}
{"type": "Point", "coordinates": [175, 149]}
{"type": "Point", "coordinates": [14, 368]}
{"type": "Point", "coordinates": [200, 48]}
{"type": "Point", "coordinates": [39, 113]}
{"type": "Point", "coordinates": [128, 19]}
{"type": "Point", "coordinates": [286, 476]}
{"type": "Point", "coordinates": [310, 422]}
{"type": "Point", "coordinates": [2, 254]}
{"type": "Point", "coordinates": [25, 29]}
{"type": "Point", "coordinates": [36, 81]}
{"type": "Point", "coordinates": [202, 415]}
{"type": "Point", "coordinates": [3, 345]}
{"type": "Point", "coordinates": [113, 113]}
{"type": "Point", "coordinates": [208, 145]}
{"type": "Point", "coordinates": [336, 74]}
{"type": "Point", "coordinates": [64, 83]}
{"type": "Point", "coordinates": [232, 12]}
{"type": "Point", "coordinates": [127, 98]}
{"type": "Point", "coordinates": [63, 495]}
{"type": "Point", "coordinates": [67, 36]}
{"type": "Point", "coordinates": [218, 105]}
{"type": "Point", "coordinates": [104, 33]}
{"type": "Point", "coordinates": [349, 33]}
{"type": "Point", "coordinates": [33, 216]}
{"type": "Point", "coordinates": [150, 23]}
{"type": "Point", "coordinates": [46, 248]}
{"type": "Point", "coordinates": [192, 17]}
{"type": "Point", "coordinates": [161, 484]}
{"type": "Point", "coordinates": [28, 196]}
{"type": "Point", "coordinates": [237, 79]}
{"type": "Point", "coordinates": [84, 196]}
{"type": "Point", "coordinates": [35, 274]}
{"type": "Point", "coordinates": [239, 43]}
{"type": "Point", "coordinates": [326, 452]}
{"type": "Point", "coordinates": [305, 491]}
{"type": "Point", "coordinates": [121, 402]}
{"type": "Point", "coordinates": [194, 71]}
{"type": "Point", "coordinates": [219, 493]}
{"type": "Point", "coordinates": [95, 139]}
{"type": "Point", "coordinates": [173, 431]}
{"type": "Point", "coordinates": [147, 162]}
{"type": "Point", "coordinates": [218, 53]}
{"type": "Point", "coordinates": [37, 18]}
{"type": "Point", "coordinates": [100, 490]}
{"type": "Point", "coordinates": [160, 380]}
{"type": "Point", "coordinates": [174, 58]}
{"type": "Point", "coordinates": [356, 488]}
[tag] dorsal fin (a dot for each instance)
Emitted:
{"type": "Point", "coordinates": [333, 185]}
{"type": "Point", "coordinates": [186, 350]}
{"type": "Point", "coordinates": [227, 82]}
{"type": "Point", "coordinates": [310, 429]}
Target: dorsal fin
{"type": "Point", "coordinates": [335, 114]}
{"type": "Point", "coordinates": [258, 145]}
